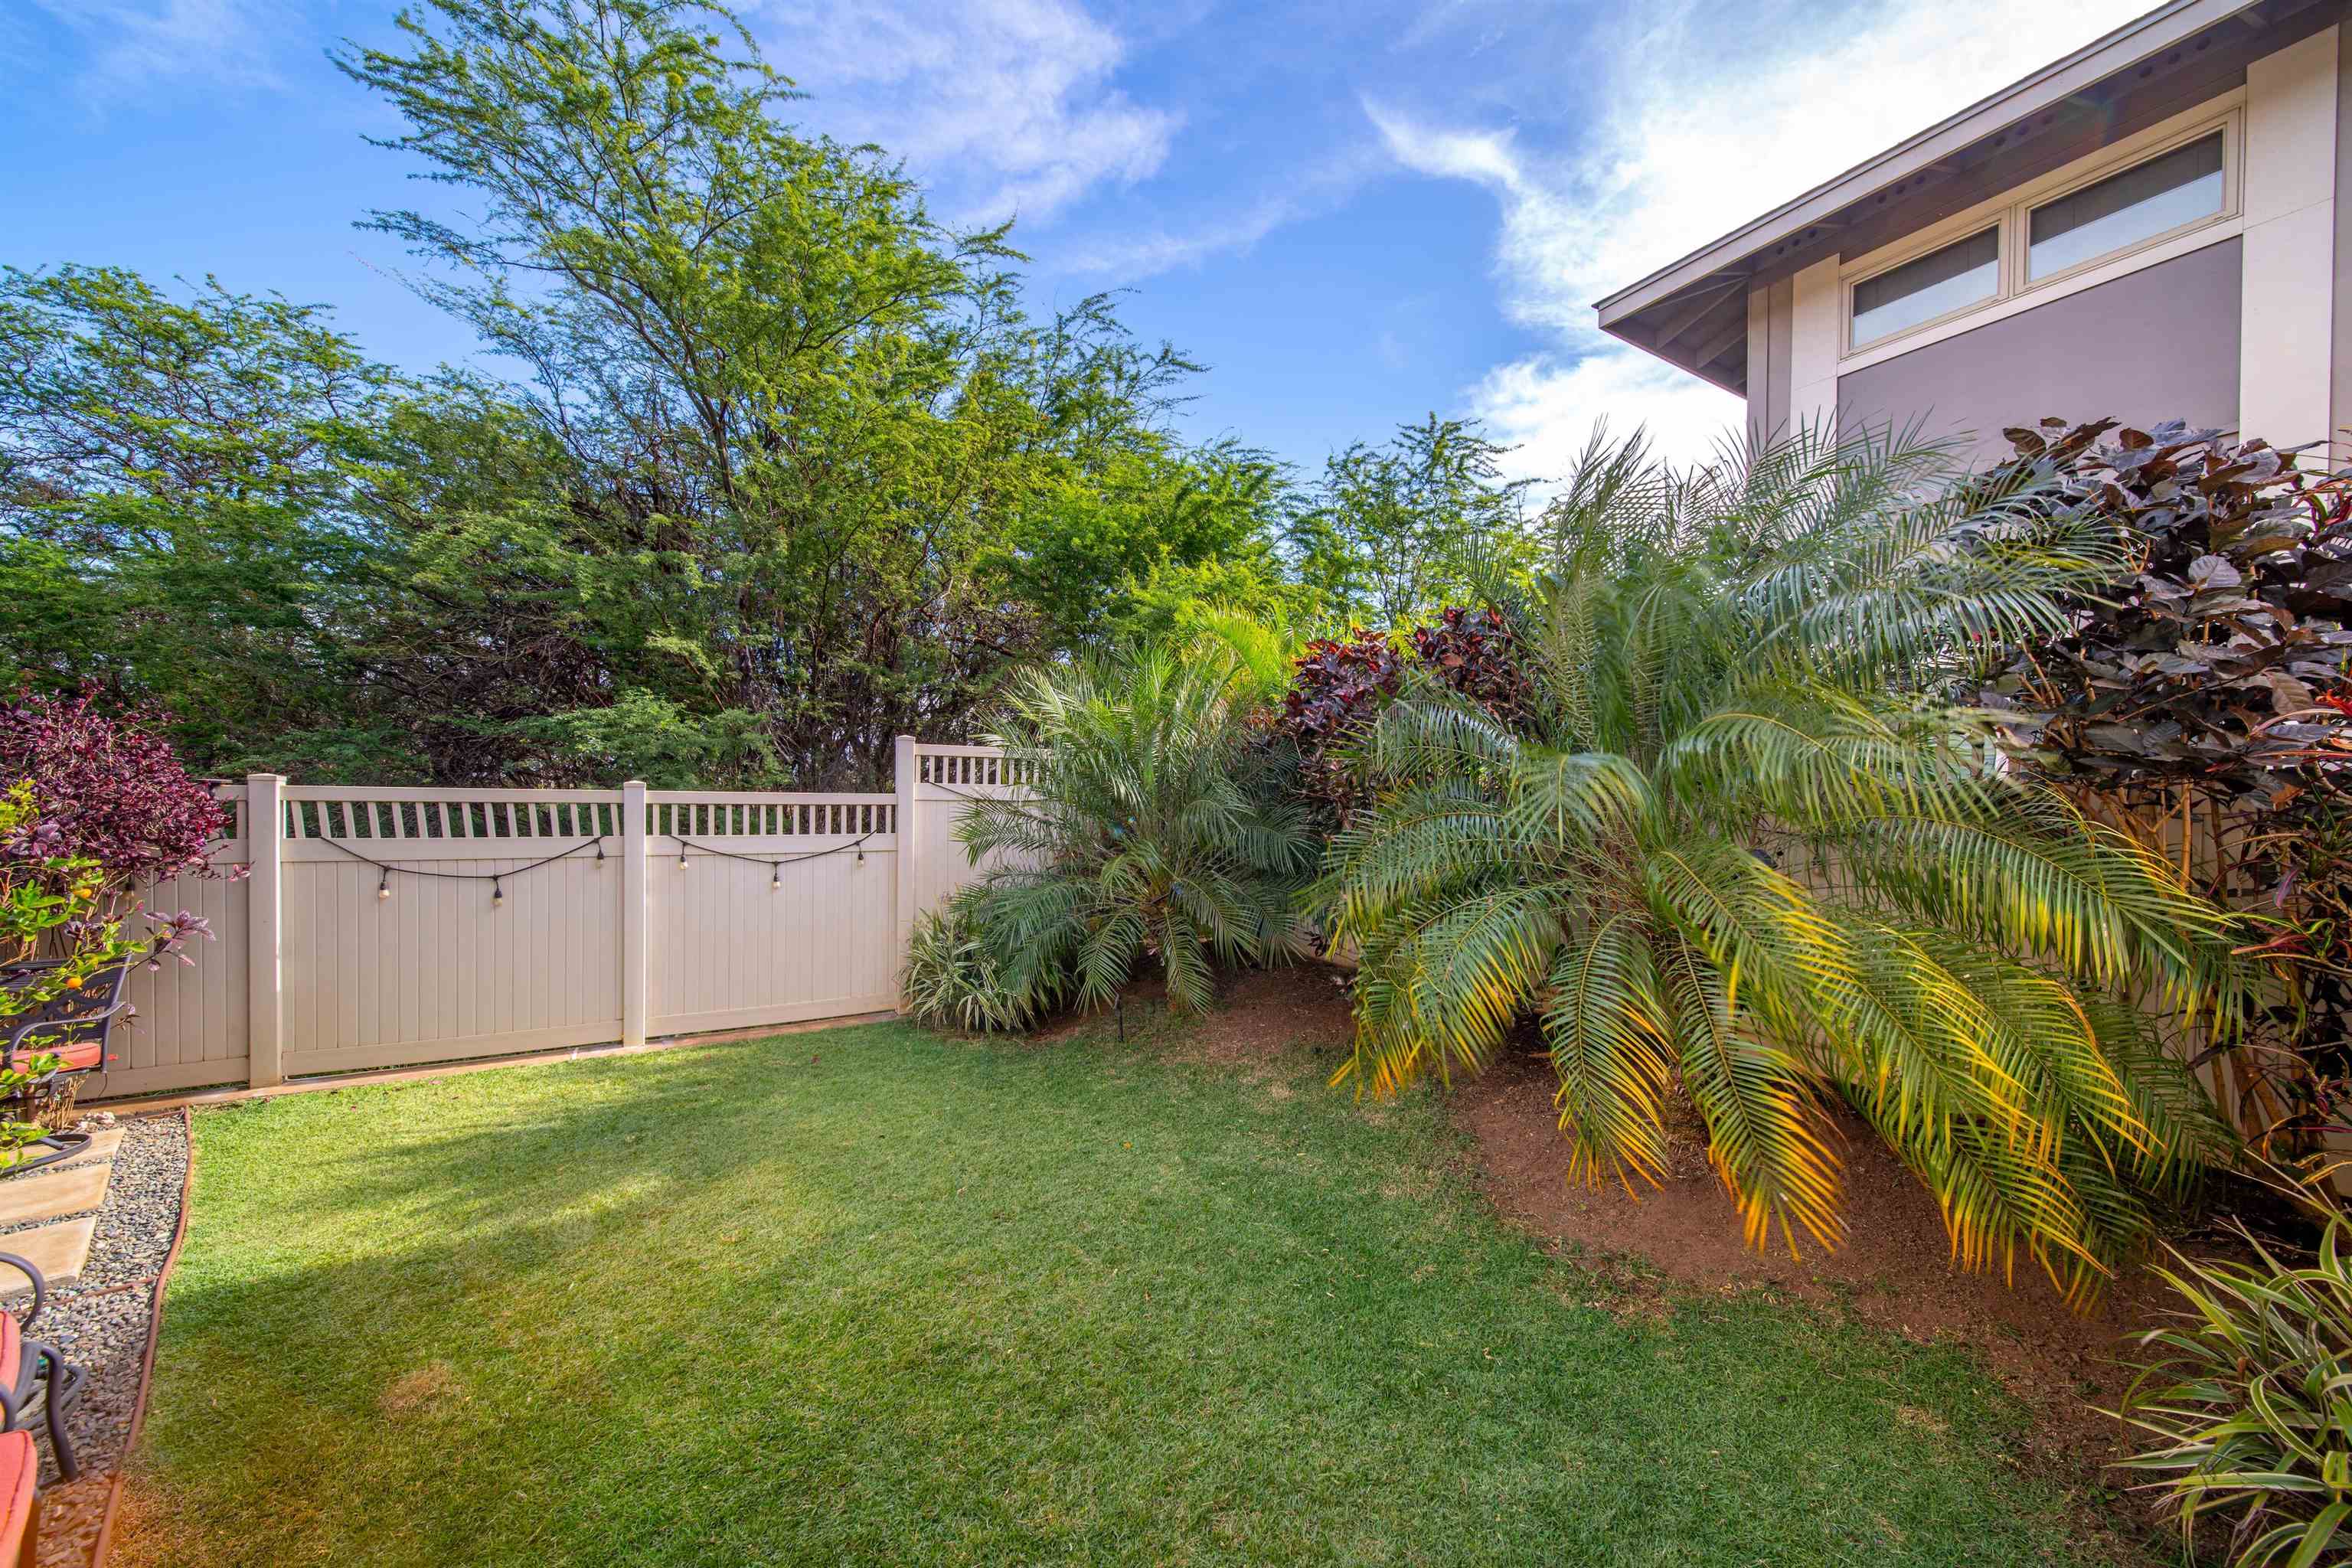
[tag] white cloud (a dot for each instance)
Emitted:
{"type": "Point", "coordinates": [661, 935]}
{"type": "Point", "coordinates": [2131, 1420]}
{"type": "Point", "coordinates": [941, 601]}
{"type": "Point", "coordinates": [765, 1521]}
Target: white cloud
{"type": "Point", "coordinates": [1009, 102]}
{"type": "Point", "coordinates": [135, 44]}
{"type": "Point", "coordinates": [1702, 126]}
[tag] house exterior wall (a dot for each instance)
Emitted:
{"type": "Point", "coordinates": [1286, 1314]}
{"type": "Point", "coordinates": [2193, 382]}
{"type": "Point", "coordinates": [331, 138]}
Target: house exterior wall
{"type": "Point", "coordinates": [2288, 302]}
{"type": "Point", "coordinates": [2244, 321]}
{"type": "Point", "coordinates": [2158, 343]}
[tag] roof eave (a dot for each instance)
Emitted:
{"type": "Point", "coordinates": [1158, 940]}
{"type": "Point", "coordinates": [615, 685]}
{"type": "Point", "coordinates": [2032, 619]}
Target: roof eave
{"type": "Point", "coordinates": [2117, 51]}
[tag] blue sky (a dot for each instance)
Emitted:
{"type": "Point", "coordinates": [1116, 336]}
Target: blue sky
{"type": "Point", "coordinates": [1354, 211]}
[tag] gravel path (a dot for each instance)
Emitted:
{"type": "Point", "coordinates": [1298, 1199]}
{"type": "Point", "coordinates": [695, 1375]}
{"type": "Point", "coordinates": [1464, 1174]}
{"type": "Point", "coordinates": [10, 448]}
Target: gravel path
{"type": "Point", "coordinates": [100, 1323]}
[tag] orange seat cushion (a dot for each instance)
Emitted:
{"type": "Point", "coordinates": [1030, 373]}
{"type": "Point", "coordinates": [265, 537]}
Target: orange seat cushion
{"type": "Point", "coordinates": [12, 1352]}
{"type": "Point", "coordinates": [20, 1467]}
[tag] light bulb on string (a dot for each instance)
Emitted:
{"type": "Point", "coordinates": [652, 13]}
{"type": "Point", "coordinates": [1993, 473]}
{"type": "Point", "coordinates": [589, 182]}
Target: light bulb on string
{"type": "Point", "coordinates": [383, 882]}
{"type": "Point", "coordinates": [498, 893]}
{"type": "Point", "coordinates": [776, 876]}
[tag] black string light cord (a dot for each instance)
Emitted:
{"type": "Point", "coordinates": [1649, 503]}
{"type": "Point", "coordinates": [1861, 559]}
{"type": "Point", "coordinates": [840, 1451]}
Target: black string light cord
{"type": "Point", "coordinates": [384, 869]}
{"type": "Point", "coordinates": [777, 881]}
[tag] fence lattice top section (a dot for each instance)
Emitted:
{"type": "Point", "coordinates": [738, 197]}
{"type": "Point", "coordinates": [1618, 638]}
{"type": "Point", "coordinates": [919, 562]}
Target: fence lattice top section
{"type": "Point", "coordinates": [441, 817]}
{"type": "Point", "coordinates": [684, 814]}
{"type": "Point", "coordinates": [465, 821]}
{"type": "Point", "coordinates": [971, 767]}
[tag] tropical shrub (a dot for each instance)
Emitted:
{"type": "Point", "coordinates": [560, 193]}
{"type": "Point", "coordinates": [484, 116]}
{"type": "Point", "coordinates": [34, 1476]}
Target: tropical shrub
{"type": "Point", "coordinates": [1339, 687]}
{"type": "Point", "coordinates": [2244, 1396]}
{"type": "Point", "coordinates": [950, 978]}
{"type": "Point", "coordinates": [1149, 828]}
{"type": "Point", "coordinates": [1475, 652]}
{"type": "Point", "coordinates": [111, 794]}
{"type": "Point", "coordinates": [45, 890]}
{"type": "Point", "coordinates": [2203, 700]}
{"type": "Point", "coordinates": [1741, 844]}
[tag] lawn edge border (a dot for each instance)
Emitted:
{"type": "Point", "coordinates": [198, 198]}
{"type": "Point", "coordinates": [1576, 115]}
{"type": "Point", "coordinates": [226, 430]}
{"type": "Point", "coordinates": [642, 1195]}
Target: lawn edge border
{"type": "Point", "coordinates": [166, 1104]}
{"type": "Point", "coordinates": [105, 1542]}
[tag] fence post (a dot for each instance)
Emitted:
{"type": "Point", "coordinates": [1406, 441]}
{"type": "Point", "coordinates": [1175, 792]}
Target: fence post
{"type": "Point", "coordinates": [265, 985]}
{"type": "Point", "coordinates": [633, 912]}
{"type": "Point", "coordinates": [907, 770]}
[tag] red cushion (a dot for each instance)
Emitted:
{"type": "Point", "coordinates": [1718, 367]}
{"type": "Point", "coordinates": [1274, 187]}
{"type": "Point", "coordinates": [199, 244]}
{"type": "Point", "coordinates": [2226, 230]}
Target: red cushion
{"type": "Point", "coordinates": [12, 1350]}
{"type": "Point", "coordinates": [81, 1057]}
{"type": "Point", "coordinates": [20, 1467]}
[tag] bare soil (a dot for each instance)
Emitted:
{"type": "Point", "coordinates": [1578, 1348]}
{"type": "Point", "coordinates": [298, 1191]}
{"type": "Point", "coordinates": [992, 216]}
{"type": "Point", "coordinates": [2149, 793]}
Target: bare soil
{"type": "Point", "coordinates": [1892, 1273]}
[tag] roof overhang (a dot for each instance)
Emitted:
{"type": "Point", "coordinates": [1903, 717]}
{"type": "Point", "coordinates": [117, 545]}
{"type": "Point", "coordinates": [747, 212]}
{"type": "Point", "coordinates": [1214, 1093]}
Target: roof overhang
{"type": "Point", "coordinates": [1692, 313]}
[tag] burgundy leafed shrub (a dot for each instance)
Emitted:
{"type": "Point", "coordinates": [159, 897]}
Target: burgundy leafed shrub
{"type": "Point", "coordinates": [1474, 652]}
{"type": "Point", "coordinates": [2206, 700]}
{"type": "Point", "coordinates": [1339, 689]}
{"type": "Point", "coordinates": [110, 789]}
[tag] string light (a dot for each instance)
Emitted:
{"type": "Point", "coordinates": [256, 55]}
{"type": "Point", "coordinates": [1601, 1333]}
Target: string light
{"type": "Point", "coordinates": [496, 880]}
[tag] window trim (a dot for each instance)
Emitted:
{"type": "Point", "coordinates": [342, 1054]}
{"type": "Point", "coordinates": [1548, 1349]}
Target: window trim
{"type": "Point", "coordinates": [2010, 214]}
{"type": "Point", "coordinates": [2232, 205]}
{"type": "Point", "coordinates": [1852, 283]}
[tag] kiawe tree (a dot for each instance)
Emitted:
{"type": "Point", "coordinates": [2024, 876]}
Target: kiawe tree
{"type": "Point", "coordinates": [1394, 533]}
{"type": "Point", "coordinates": [802, 413]}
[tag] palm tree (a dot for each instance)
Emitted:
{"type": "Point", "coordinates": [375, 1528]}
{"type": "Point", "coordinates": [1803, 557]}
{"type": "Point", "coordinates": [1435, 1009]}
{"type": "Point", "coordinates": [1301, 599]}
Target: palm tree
{"type": "Point", "coordinates": [1745, 848]}
{"type": "Point", "coordinates": [1151, 826]}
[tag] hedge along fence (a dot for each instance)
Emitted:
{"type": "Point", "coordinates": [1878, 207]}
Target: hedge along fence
{"type": "Point", "coordinates": [380, 927]}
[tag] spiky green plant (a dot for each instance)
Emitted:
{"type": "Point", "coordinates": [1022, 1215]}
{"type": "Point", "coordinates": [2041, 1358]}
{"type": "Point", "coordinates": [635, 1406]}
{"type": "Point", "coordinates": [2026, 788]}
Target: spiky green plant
{"type": "Point", "coordinates": [2249, 1396]}
{"type": "Point", "coordinates": [952, 977]}
{"type": "Point", "coordinates": [1150, 827]}
{"type": "Point", "coordinates": [1744, 851]}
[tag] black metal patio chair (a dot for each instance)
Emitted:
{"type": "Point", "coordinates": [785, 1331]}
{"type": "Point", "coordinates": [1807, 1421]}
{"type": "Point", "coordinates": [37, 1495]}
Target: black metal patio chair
{"type": "Point", "coordinates": [25, 1364]}
{"type": "Point", "coordinates": [73, 1025]}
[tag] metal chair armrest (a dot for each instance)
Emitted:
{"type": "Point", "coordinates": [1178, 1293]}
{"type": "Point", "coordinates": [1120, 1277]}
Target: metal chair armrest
{"type": "Point", "coordinates": [40, 1284]}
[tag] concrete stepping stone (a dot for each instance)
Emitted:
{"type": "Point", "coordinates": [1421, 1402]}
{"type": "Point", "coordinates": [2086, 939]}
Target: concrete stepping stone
{"type": "Point", "coordinates": [102, 1145]}
{"type": "Point", "coordinates": [50, 1195]}
{"type": "Point", "coordinates": [60, 1250]}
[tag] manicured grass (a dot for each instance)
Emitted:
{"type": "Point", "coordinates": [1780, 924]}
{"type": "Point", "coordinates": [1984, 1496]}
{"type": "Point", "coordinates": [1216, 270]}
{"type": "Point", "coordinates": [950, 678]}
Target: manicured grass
{"type": "Point", "coordinates": [872, 1296]}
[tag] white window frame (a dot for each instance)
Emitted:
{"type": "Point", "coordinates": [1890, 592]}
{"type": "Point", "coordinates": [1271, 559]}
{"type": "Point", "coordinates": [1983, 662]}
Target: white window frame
{"type": "Point", "coordinates": [2010, 214]}
{"type": "Point", "coordinates": [1853, 281]}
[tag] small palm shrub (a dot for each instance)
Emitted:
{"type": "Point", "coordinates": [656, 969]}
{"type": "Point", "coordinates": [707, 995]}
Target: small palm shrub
{"type": "Point", "coordinates": [2246, 1397]}
{"type": "Point", "coordinates": [950, 977]}
{"type": "Point", "coordinates": [1151, 828]}
{"type": "Point", "coordinates": [1731, 842]}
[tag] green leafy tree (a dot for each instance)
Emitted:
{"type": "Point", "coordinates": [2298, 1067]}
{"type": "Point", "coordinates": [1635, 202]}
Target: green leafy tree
{"type": "Point", "coordinates": [1148, 827]}
{"type": "Point", "coordinates": [1396, 532]}
{"type": "Point", "coordinates": [174, 514]}
{"type": "Point", "coordinates": [800, 414]}
{"type": "Point", "coordinates": [1109, 554]}
{"type": "Point", "coordinates": [1740, 848]}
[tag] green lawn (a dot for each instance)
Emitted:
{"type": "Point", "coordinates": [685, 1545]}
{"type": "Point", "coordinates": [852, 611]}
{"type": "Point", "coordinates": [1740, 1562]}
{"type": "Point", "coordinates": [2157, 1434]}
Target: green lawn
{"type": "Point", "coordinates": [872, 1296]}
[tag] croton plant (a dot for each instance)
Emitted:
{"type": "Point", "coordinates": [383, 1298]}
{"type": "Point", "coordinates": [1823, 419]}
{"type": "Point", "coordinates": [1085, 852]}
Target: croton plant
{"type": "Point", "coordinates": [2206, 699]}
{"type": "Point", "coordinates": [1340, 685]}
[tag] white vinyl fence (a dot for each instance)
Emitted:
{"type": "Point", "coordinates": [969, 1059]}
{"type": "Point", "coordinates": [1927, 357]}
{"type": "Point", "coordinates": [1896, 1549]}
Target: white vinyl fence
{"type": "Point", "coordinates": [383, 927]}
